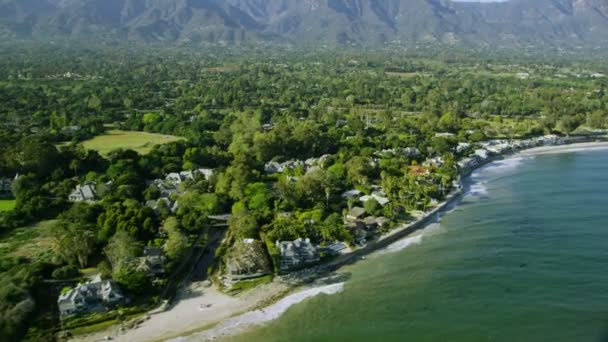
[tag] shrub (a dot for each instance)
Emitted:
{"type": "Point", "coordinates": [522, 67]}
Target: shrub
{"type": "Point", "coordinates": [66, 272]}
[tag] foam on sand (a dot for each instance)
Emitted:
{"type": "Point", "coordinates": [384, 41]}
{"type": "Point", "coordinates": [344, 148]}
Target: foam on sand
{"type": "Point", "coordinates": [237, 324]}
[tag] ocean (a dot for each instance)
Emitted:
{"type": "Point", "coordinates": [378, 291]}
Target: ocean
{"type": "Point", "coordinates": [523, 257]}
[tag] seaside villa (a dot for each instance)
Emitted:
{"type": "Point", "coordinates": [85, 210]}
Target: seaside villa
{"type": "Point", "coordinates": [93, 296]}
{"type": "Point", "coordinates": [296, 254]}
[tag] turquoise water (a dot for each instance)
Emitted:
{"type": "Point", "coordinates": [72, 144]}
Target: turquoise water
{"type": "Point", "coordinates": [523, 258]}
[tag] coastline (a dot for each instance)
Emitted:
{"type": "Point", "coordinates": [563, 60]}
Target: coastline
{"type": "Point", "coordinates": [576, 147]}
{"type": "Point", "coordinates": [226, 315]}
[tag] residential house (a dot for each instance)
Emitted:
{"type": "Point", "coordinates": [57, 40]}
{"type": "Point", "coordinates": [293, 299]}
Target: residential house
{"type": "Point", "coordinates": [177, 178]}
{"type": "Point", "coordinates": [359, 231]}
{"type": "Point", "coordinates": [372, 223]}
{"type": "Point", "coordinates": [482, 153]}
{"type": "Point", "coordinates": [434, 162]}
{"type": "Point", "coordinates": [499, 148]}
{"type": "Point", "coordinates": [462, 146]}
{"type": "Point", "coordinates": [275, 167]}
{"type": "Point", "coordinates": [166, 187]}
{"type": "Point", "coordinates": [337, 248]}
{"type": "Point", "coordinates": [93, 296]}
{"type": "Point", "coordinates": [355, 214]}
{"type": "Point", "coordinates": [377, 196]}
{"type": "Point", "coordinates": [153, 261]}
{"type": "Point", "coordinates": [317, 161]}
{"type": "Point", "coordinates": [354, 193]}
{"type": "Point", "coordinates": [84, 193]}
{"type": "Point", "coordinates": [174, 177]}
{"type": "Point", "coordinates": [296, 254]}
{"type": "Point", "coordinates": [411, 152]}
{"type": "Point", "coordinates": [469, 163]}
{"type": "Point", "coordinates": [6, 187]}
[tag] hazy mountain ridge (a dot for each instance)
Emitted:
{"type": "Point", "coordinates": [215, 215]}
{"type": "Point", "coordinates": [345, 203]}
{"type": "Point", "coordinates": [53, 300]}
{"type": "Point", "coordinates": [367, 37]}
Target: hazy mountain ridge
{"type": "Point", "coordinates": [368, 22]}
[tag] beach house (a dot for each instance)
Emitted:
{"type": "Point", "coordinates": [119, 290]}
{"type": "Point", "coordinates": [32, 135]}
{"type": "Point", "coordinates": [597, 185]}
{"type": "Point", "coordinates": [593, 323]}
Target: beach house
{"type": "Point", "coordinates": [93, 296]}
{"type": "Point", "coordinates": [296, 254]}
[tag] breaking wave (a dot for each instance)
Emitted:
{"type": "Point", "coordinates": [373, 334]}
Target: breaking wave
{"type": "Point", "coordinates": [431, 229]}
{"type": "Point", "coordinates": [478, 189]}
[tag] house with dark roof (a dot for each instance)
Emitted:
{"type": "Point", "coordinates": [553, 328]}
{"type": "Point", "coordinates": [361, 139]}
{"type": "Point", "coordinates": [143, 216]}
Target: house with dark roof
{"type": "Point", "coordinates": [337, 248]}
{"type": "Point", "coordinates": [153, 261]}
{"type": "Point", "coordinates": [6, 187]}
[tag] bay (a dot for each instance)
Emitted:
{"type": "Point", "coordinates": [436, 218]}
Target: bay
{"type": "Point", "coordinates": [523, 257]}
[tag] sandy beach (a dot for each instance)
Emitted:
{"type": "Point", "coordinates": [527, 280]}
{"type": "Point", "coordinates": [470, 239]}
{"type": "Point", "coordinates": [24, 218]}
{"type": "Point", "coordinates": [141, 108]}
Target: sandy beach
{"type": "Point", "coordinates": [204, 313]}
{"type": "Point", "coordinates": [196, 308]}
{"type": "Point", "coordinates": [241, 323]}
{"type": "Point", "coordinates": [577, 147]}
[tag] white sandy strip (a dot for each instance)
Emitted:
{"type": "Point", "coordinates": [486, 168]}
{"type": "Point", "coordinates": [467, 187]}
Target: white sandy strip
{"type": "Point", "coordinates": [590, 146]}
{"type": "Point", "coordinates": [240, 323]}
{"type": "Point", "coordinates": [198, 307]}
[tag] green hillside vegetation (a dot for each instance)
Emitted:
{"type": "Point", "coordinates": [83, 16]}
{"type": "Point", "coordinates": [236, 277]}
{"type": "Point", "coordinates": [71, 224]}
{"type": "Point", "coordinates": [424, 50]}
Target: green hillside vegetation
{"type": "Point", "coordinates": [334, 23]}
{"type": "Point", "coordinates": [339, 111]}
{"type": "Point", "coordinates": [31, 242]}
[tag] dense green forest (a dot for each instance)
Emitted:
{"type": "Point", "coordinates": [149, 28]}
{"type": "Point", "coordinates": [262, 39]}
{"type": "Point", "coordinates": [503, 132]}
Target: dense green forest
{"type": "Point", "coordinates": [238, 110]}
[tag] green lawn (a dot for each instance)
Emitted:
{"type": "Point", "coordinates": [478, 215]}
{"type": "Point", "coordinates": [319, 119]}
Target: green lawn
{"type": "Point", "coordinates": [7, 205]}
{"type": "Point", "coordinates": [140, 142]}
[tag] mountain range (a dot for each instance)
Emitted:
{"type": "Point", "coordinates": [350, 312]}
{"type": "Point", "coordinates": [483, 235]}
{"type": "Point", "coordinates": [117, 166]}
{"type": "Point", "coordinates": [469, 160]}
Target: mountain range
{"type": "Point", "coordinates": [326, 22]}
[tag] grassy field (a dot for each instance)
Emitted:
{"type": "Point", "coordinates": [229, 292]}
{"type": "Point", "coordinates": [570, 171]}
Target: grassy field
{"type": "Point", "coordinates": [7, 205]}
{"type": "Point", "coordinates": [140, 142]}
{"type": "Point", "coordinates": [32, 242]}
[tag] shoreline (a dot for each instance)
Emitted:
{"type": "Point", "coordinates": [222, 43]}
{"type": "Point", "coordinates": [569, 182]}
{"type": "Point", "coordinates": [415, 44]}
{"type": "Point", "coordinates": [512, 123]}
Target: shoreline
{"type": "Point", "coordinates": [566, 148]}
{"type": "Point", "coordinates": [228, 316]}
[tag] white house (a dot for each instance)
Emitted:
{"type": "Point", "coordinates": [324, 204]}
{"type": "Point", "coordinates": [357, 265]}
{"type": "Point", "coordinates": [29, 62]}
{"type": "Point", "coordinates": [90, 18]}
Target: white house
{"type": "Point", "coordinates": [83, 193]}
{"type": "Point", "coordinates": [96, 295]}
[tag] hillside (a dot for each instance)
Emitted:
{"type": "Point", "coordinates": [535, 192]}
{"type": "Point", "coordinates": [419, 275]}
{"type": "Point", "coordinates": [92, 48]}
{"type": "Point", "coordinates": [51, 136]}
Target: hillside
{"type": "Point", "coordinates": [364, 22]}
